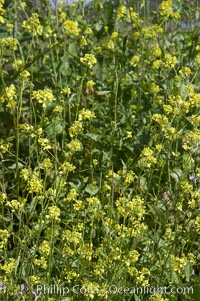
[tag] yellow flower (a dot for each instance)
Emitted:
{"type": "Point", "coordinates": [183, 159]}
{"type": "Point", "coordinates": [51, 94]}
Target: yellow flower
{"type": "Point", "coordinates": [121, 12]}
{"type": "Point", "coordinates": [158, 297]}
{"type": "Point", "coordinates": [89, 60]}
{"type": "Point", "coordinates": [9, 96]}
{"type": "Point", "coordinates": [90, 84]}
{"type": "Point", "coordinates": [25, 75]}
{"type": "Point", "coordinates": [43, 96]}
{"type": "Point", "coordinates": [147, 157]}
{"type": "Point", "coordinates": [4, 235]}
{"type": "Point", "coordinates": [85, 114]}
{"type": "Point", "coordinates": [44, 247]}
{"type": "Point", "coordinates": [18, 63]}
{"type": "Point", "coordinates": [54, 213]}
{"type": "Point", "coordinates": [88, 31]}
{"type": "Point", "coordinates": [34, 184]}
{"type": "Point", "coordinates": [66, 167]}
{"type": "Point", "coordinates": [156, 51]}
{"type": "Point", "coordinates": [44, 142]}
{"type": "Point", "coordinates": [72, 195]}
{"type": "Point", "coordinates": [156, 64]}
{"type": "Point", "coordinates": [25, 173]}
{"type": "Point", "coordinates": [71, 27]}
{"type": "Point", "coordinates": [78, 205]}
{"type": "Point", "coordinates": [75, 129]}
{"type": "Point", "coordinates": [83, 41]}
{"type": "Point", "coordinates": [3, 197]}
{"type": "Point", "coordinates": [46, 164]}
{"type": "Point", "coordinates": [186, 71]}
{"type": "Point", "coordinates": [114, 35]}
{"type": "Point", "coordinates": [170, 61]}
{"type": "Point", "coordinates": [134, 60]}
{"type": "Point", "coordinates": [10, 42]}
{"type": "Point", "coordinates": [9, 267]}
{"type": "Point", "coordinates": [74, 145]}
{"type": "Point", "coordinates": [42, 263]}
{"type": "Point", "coordinates": [32, 25]}
{"type": "Point", "coordinates": [66, 91]}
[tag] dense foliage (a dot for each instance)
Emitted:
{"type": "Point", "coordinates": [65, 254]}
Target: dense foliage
{"type": "Point", "coordinates": [99, 151]}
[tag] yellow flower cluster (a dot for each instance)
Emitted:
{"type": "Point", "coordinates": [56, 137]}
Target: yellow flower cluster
{"type": "Point", "coordinates": [3, 197]}
{"type": "Point", "coordinates": [166, 9]}
{"type": "Point", "coordinates": [45, 248]}
{"type": "Point", "coordinates": [158, 297]}
{"type": "Point", "coordinates": [93, 201]}
{"type": "Point", "coordinates": [71, 27]}
{"type": "Point", "coordinates": [66, 167]}
{"type": "Point", "coordinates": [45, 143]}
{"type": "Point", "coordinates": [43, 96]}
{"type": "Point", "coordinates": [89, 60]}
{"type": "Point", "coordinates": [185, 71]}
{"type": "Point", "coordinates": [2, 12]}
{"type": "Point", "coordinates": [72, 237]}
{"type": "Point", "coordinates": [9, 96]}
{"type": "Point", "coordinates": [131, 258]}
{"type": "Point", "coordinates": [121, 11]}
{"type": "Point", "coordinates": [4, 235]}
{"type": "Point", "coordinates": [8, 267]}
{"type": "Point", "coordinates": [85, 251]}
{"type": "Point", "coordinates": [54, 213]}
{"type": "Point", "coordinates": [34, 184]}
{"type": "Point", "coordinates": [178, 264]}
{"type": "Point", "coordinates": [134, 208]}
{"type": "Point", "coordinates": [32, 25]}
{"type": "Point", "coordinates": [76, 128]}
{"type": "Point", "coordinates": [78, 205]}
{"type": "Point", "coordinates": [72, 195]}
{"type": "Point", "coordinates": [134, 60]}
{"type": "Point", "coordinates": [170, 61]}
{"type": "Point", "coordinates": [114, 35]}
{"type": "Point", "coordinates": [108, 44]}
{"type": "Point", "coordinates": [191, 141]}
{"type": "Point", "coordinates": [74, 145]}
{"type": "Point", "coordinates": [10, 42]}
{"type": "Point", "coordinates": [25, 173]}
{"type": "Point", "coordinates": [90, 84]}
{"type": "Point", "coordinates": [15, 205]}
{"type": "Point", "coordinates": [46, 164]}
{"type": "Point", "coordinates": [156, 64]}
{"type": "Point", "coordinates": [147, 157]}
{"type": "Point", "coordinates": [85, 114]}
{"type": "Point", "coordinates": [41, 262]}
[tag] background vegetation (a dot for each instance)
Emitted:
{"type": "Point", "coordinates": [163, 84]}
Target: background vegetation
{"type": "Point", "coordinates": [99, 149]}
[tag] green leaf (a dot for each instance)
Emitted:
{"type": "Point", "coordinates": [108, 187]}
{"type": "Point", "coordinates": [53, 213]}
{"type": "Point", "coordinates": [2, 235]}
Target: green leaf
{"type": "Point", "coordinates": [159, 213]}
{"type": "Point", "coordinates": [188, 272]}
{"type": "Point", "coordinates": [55, 128]}
{"type": "Point", "coordinates": [13, 166]}
{"type": "Point", "coordinates": [93, 136]}
{"type": "Point", "coordinates": [103, 92]}
{"type": "Point", "coordinates": [176, 173]}
{"type": "Point", "coordinates": [91, 189]}
{"type": "Point", "coordinates": [65, 68]}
